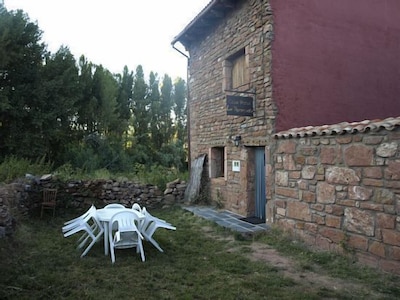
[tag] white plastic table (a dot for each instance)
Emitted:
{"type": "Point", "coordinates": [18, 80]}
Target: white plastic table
{"type": "Point", "coordinates": [105, 214]}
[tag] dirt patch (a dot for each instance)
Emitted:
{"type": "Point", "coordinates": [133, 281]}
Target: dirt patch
{"type": "Point", "coordinates": [308, 278]}
{"type": "Point", "coordinates": [312, 278]}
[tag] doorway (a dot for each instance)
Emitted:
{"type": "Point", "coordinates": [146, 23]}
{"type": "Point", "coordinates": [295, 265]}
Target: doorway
{"type": "Point", "coordinates": [259, 183]}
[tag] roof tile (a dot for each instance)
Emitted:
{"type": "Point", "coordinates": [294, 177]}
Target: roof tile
{"type": "Point", "coordinates": [340, 128]}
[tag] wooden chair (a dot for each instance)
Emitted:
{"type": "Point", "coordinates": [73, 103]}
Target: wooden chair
{"type": "Point", "coordinates": [49, 201]}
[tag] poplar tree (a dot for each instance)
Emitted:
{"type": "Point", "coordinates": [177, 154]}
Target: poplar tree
{"type": "Point", "coordinates": [140, 101]}
{"type": "Point", "coordinates": [155, 107]}
{"type": "Point", "coordinates": [56, 109]}
{"type": "Point", "coordinates": [124, 100]}
{"type": "Point", "coordinates": [180, 109]}
{"type": "Point", "coordinates": [21, 59]}
{"type": "Point", "coordinates": [166, 129]}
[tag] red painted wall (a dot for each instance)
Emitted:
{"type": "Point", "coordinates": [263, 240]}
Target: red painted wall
{"type": "Point", "coordinates": [335, 61]}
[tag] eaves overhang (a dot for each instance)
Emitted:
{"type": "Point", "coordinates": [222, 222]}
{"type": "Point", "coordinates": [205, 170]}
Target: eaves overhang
{"type": "Point", "coordinates": [205, 21]}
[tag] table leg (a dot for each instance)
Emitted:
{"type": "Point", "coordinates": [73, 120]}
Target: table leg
{"type": "Point", "coordinates": [106, 244]}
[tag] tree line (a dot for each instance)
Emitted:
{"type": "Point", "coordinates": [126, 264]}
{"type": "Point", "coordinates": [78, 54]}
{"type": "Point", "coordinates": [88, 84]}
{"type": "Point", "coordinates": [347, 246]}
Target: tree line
{"type": "Point", "coordinates": [79, 113]}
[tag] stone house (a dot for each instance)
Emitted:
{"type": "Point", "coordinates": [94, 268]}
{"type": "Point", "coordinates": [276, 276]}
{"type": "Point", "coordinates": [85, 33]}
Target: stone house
{"type": "Point", "coordinates": [264, 77]}
{"type": "Point", "coordinates": [260, 67]}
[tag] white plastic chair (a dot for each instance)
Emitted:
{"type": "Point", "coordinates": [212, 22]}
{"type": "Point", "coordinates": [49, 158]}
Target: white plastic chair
{"type": "Point", "coordinates": [124, 233]}
{"type": "Point", "coordinates": [150, 224]}
{"type": "Point", "coordinates": [89, 225]}
{"type": "Point", "coordinates": [114, 205]}
{"type": "Point", "coordinates": [68, 225]}
{"type": "Point", "coordinates": [136, 207]}
{"type": "Point", "coordinates": [71, 224]}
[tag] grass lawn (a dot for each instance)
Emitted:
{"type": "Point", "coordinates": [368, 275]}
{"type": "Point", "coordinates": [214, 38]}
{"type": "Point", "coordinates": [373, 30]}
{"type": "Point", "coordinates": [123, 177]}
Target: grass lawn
{"type": "Point", "coordinates": [201, 261]}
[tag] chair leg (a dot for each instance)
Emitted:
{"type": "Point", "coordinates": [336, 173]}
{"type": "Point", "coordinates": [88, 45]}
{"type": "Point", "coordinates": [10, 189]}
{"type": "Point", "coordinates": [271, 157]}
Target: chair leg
{"type": "Point", "coordinates": [112, 254]}
{"type": "Point", "coordinates": [140, 245]}
{"type": "Point", "coordinates": [155, 244]}
{"type": "Point", "coordinates": [88, 248]}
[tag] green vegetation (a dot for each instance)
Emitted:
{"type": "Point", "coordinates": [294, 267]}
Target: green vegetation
{"type": "Point", "coordinates": [13, 168]}
{"type": "Point", "coordinates": [201, 261]}
{"type": "Point", "coordinates": [64, 111]}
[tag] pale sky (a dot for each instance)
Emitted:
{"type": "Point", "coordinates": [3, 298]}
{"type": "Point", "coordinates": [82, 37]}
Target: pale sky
{"type": "Point", "coordinates": [116, 33]}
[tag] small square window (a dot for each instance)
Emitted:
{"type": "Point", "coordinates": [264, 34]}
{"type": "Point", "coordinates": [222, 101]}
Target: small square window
{"type": "Point", "coordinates": [217, 162]}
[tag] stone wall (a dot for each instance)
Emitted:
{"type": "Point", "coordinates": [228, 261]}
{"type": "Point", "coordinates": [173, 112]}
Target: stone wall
{"type": "Point", "coordinates": [249, 26]}
{"type": "Point", "coordinates": [341, 193]}
{"type": "Point", "coordinates": [23, 197]}
{"type": "Point", "coordinates": [12, 199]}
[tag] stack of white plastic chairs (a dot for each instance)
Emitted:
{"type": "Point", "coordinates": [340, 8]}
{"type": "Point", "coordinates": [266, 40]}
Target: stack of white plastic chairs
{"type": "Point", "coordinates": [89, 225]}
{"type": "Point", "coordinates": [150, 224]}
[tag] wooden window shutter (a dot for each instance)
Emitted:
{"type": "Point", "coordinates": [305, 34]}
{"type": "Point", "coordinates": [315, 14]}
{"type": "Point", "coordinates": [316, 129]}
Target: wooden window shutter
{"type": "Point", "coordinates": [240, 75]}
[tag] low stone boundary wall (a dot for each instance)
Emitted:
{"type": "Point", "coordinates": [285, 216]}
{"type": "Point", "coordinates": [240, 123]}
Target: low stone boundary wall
{"type": "Point", "coordinates": [341, 193]}
{"type": "Point", "coordinates": [23, 197]}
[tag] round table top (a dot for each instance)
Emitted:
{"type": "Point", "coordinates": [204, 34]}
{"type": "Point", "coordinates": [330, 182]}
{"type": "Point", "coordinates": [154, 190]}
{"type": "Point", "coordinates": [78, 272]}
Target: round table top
{"type": "Point", "coordinates": [105, 214]}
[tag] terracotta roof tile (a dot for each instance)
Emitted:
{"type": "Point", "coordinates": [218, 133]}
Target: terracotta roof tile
{"type": "Point", "coordinates": [340, 128]}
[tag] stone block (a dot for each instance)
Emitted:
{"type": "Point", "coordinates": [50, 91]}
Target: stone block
{"type": "Point", "coordinates": [329, 155]}
{"type": "Point", "coordinates": [384, 196]}
{"type": "Point", "coordinates": [281, 178]}
{"type": "Point", "coordinates": [357, 242]}
{"type": "Point", "coordinates": [318, 219]}
{"type": "Point", "coordinates": [288, 147]}
{"type": "Point", "coordinates": [298, 210]}
{"type": "Point", "coordinates": [307, 196]}
{"type": "Point", "coordinates": [359, 193]}
{"type": "Point", "coordinates": [391, 237]}
{"type": "Point", "coordinates": [359, 155]}
{"type": "Point", "coordinates": [325, 193]}
{"type": "Point", "coordinates": [308, 172]}
{"type": "Point", "coordinates": [385, 221]}
{"type": "Point", "coordinates": [339, 175]}
{"type": "Point", "coordinates": [336, 210]}
{"type": "Point", "coordinates": [387, 149]}
{"type": "Point", "coordinates": [393, 170]}
{"type": "Point", "coordinates": [302, 184]}
{"type": "Point", "coordinates": [371, 206]}
{"type": "Point", "coordinates": [318, 207]}
{"type": "Point", "coordinates": [373, 172]}
{"type": "Point", "coordinates": [346, 139]}
{"type": "Point", "coordinates": [359, 221]}
{"type": "Point", "coordinates": [312, 160]}
{"type": "Point", "coordinates": [281, 211]}
{"type": "Point", "coordinates": [322, 243]}
{"type": "Point", "coordinates": [377, 248]}
{"type": "Point", "coordinates": [394, 253]}
{"type": "Point", "coordinates": [346, 202]}
{"type": "Point", "coordinates": [288, 162]}
{"type": "Point", "coordinates": [333, 235]}
{"type": "Point", "coordinates": [333, 221]}
{"type": "Point", "coordinates": [311, 227]}
{"type": "Point", "coordinates": [287, 192]}
{"type": "Point", "coordinates": [372, 182]}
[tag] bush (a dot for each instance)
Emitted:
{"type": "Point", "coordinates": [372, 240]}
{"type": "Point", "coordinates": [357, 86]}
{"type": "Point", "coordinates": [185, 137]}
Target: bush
{"type": "Point", "coordinates": [13, 167]}
{"type": "Point", "coordinates": [158, 175]}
